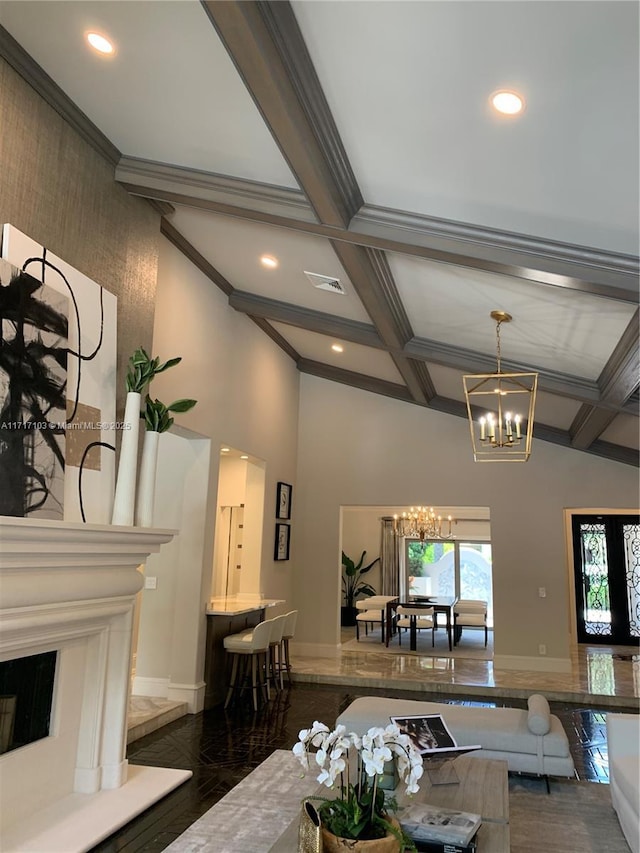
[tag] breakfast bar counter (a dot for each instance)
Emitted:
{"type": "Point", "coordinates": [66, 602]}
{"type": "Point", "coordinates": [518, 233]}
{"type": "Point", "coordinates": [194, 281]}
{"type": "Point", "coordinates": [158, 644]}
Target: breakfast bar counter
{"type": "Point", "coordinates": [228, 615]}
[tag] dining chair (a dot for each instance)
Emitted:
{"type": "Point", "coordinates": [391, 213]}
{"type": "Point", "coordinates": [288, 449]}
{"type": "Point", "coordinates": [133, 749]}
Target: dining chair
{"type": "Point", "coordinates": [469, 613]}
{"type": "Point", "coordinates": [372, 612]}
{"type": "Point", "coordinates": [424, 620]}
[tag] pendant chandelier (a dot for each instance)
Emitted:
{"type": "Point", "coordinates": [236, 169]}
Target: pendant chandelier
{"type": "Point", "coordinates": [503, 407]}
{"type": "Point", "coordinates": [422, 523]}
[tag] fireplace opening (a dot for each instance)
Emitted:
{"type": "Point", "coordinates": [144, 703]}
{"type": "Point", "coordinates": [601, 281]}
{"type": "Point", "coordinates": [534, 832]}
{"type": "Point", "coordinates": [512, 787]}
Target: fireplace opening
{"type": "Point", "coordinates": [26, 697]}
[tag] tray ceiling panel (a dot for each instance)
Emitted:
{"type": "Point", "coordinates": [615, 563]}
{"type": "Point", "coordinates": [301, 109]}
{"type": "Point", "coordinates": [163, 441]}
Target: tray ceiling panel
{"type": "Point", "coordinates": [563, 330]}
{"type": "Point", "coordinates": [623, 430]}
{"type": "Point", "coordinates": [170, 94]}
{"type": "Point", "coordinates": [355, 357]}
{"type": "Point", "coordinates": [235, 247]}
{"type": "Point", "coordinates": [408, 84]}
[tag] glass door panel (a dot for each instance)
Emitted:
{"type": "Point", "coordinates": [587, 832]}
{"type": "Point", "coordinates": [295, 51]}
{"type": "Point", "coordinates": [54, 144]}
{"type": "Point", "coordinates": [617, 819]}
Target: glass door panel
{"type": "Point", "coordinates": [475, 574]}
{"type": "Point", "coordinates": [430, 568]}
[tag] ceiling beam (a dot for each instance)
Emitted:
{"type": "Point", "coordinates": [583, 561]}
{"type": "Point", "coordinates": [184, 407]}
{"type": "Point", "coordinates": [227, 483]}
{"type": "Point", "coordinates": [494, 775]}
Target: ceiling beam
{"type": "Point", "coordinates": [189, 251]}
{"type": "Point", "coordinates": [266, 46]}
{"type": "Point", "coordinates": [304, 318]}
{"type": "Point", "coordinates": [545, 262]}
{"type": "Point", "coordinates": [617, 382]}
{"type": "Point", "coordinates": [419, 349]}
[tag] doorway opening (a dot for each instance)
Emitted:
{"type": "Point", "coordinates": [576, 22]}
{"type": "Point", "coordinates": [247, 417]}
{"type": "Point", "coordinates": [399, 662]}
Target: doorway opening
{"type": "Point", "coordinates": [606, 557]}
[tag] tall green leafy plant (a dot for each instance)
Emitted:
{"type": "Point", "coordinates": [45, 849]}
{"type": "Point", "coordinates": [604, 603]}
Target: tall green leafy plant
{"type": "Point", "coordinates": [352, 583]}
{"type": "Point", "coordinates": [142, 369]}
{"type": "Point", "coordinates": [156, 414]}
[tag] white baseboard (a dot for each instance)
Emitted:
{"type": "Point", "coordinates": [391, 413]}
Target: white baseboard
{"type": "Point", "coordinates": [192, 694]}
{"type": "Point", "coordinates": [157, 687]}
{"type": "Point", "coordinates": [531, 664]}
{"type": "Point", "coordinates": [318, 650]}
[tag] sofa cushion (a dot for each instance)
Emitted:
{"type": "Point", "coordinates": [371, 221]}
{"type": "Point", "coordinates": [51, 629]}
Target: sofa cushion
{"type": "Point", "coordinates": [496, 729]}
{"type": "Point", "coordinates": [539, 716]}
{"type": "Point", "coordinates": [625, 769]}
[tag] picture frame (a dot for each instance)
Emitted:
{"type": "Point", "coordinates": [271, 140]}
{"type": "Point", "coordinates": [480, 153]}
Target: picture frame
{"type": "Point", "coordinates": [282, 542]}
{"type": "Point", "coordinates": [283, 501]}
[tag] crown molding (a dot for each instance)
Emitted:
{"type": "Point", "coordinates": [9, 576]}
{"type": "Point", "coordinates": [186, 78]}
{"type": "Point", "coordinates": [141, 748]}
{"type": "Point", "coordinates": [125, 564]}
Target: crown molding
{"type": "Point", "coordinates": [148, 176]}
{"type": "Point", "coordinates": [53, 95]}
{"type": "Point", "coordinates": [603, 274]}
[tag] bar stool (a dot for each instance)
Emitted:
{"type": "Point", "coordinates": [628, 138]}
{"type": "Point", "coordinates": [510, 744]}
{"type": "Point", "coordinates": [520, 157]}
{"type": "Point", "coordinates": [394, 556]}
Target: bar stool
{"type": "Point", "coordinates": [254, 644]}
{"type": "Point", "coordinates": [274, 669]}
{"type": "Point", "coordinates": [288, 634]}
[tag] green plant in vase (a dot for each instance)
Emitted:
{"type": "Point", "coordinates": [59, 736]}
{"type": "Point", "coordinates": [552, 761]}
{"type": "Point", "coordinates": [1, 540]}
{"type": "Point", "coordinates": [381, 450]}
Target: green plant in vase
{"type": "Point", "coordinates": [353, 586]}
{"type": "Point", "coordinates": [157, 417]}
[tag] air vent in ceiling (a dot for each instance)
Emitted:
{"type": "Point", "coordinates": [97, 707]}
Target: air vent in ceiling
{"type": "Point", "coordinates": [325, 282]}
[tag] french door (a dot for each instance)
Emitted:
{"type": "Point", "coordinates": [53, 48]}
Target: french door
{"type": "Point", "coordinates": [606, 553]}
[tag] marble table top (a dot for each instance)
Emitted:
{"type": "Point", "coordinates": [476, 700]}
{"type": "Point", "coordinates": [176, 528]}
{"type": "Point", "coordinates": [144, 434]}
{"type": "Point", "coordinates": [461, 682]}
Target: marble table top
{"type": "Point", "coordinates": [233, 605]}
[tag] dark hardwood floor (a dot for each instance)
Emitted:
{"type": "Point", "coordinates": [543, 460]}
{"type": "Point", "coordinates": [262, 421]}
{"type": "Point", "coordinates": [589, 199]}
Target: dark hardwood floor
{"type": "Point", "coordinates": [221, 747]}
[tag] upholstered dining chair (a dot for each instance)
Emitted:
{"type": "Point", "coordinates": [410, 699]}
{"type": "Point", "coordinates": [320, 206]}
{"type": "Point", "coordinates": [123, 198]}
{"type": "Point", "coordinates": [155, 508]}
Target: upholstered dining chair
{"type": "Point", "coordinates": [371, 612]}
{"type": "Point", "coordinates": [424, 619]}
{"type": "Point", "coordinates": [469, 613]}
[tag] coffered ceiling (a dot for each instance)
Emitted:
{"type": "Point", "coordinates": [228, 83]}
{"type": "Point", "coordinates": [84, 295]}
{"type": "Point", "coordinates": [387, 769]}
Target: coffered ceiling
{"type": "Point", "coordinates": [355, 140]}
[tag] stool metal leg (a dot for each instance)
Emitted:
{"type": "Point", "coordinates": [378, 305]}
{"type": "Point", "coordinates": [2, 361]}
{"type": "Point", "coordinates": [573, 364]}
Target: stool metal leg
{"type": "Point", "coordinates": [232, 682]}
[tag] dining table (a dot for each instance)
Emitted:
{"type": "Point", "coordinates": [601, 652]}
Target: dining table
{"type": "Point", "coordinates": [438, 603]}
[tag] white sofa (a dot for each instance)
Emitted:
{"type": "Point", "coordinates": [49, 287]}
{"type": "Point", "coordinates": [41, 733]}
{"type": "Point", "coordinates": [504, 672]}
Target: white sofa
{"type": "Point", "coordinates": [623, 743]}
{"type": "Point", "coordinates": [531, 741]}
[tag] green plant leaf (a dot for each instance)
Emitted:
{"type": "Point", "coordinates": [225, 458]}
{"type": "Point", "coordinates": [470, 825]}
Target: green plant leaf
{"type": "Point", "coordinates": [170, 363]}
{"type": "Point", "coordinates": [184, 405]}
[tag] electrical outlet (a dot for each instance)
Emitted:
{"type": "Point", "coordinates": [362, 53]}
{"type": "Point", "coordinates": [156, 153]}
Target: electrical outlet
{"type": "Point", "coordinates": [542, 591]}
{"type": "Point", "coordinates": [542, 649]}
{"type": "Point", "coordinates": [150, 583]}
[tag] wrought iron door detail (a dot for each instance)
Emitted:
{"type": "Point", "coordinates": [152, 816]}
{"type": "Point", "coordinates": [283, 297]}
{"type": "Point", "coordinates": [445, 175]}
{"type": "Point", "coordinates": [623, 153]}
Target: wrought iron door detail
{"type": "Point", "coordinates": [595, 580]}
{"type": "Point", "coordinates": [606, 551]}
{"type": "Point", "coordinates": [631, 540]}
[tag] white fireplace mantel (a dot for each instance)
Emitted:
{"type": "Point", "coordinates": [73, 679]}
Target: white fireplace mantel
{"type": "Point", "coordinates": [71, 588]}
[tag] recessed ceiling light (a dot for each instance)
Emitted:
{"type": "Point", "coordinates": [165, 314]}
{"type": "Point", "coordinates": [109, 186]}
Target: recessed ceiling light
{"type": "Point", "coordinates": [100, 43]}
{"type": "Point", "coordinates": [337, 347]}
{"type": "Point", "coordinates": [244, 456]}
{"type": "Point", "coordinates": [507, 103]}
{"type": "Point", "coordinates": [224, 450]}
{"type": "Point", "coordinates": [269, 261]}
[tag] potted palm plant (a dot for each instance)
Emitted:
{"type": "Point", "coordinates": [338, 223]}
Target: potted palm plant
{"type": "Point", "coordinates": [353, 586]}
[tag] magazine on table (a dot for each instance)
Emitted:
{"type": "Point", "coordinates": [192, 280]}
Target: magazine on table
{"type": "Point", "coordinates": [426, 823]}
{"type": "Point", "coordinates": [430, 734]}
{"type": "Point", "coordinates": [446, 847]}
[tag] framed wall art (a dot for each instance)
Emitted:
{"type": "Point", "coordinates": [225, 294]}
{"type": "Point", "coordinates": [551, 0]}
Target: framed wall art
{"type": "Point", "coordinates": [283, 501]}
{"type": "Point", "coordinates": [283, 536]}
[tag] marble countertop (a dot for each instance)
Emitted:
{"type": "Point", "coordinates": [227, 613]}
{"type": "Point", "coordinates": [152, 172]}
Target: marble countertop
{"type": "Point", "coordinates": [232, 605]}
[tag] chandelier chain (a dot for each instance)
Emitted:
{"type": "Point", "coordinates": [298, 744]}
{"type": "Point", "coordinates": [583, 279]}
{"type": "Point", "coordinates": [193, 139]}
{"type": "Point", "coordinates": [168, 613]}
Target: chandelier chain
{"type": "Point", "coordinates": [498, 351]}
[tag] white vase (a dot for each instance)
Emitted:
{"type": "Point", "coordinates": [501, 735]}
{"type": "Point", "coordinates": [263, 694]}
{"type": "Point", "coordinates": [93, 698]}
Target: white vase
{"type": "Point", "coordinates": [125, 497]}
{"type": "Point", "coordinates": [147, 483]}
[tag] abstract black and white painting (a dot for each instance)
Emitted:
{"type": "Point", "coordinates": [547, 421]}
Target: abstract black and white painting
{"type": "Point", "coordinates": [89, 478]}
{"type": "Point", "coordinates": [33, 393]}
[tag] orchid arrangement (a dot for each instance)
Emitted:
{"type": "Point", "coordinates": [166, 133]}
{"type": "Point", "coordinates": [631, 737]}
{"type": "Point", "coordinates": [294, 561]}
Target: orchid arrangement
{"type": "Point", "coordinates": [361, 810]}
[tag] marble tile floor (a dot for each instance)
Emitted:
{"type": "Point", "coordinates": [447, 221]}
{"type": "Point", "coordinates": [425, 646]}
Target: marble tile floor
{"type": "Point", "coordinates": [222, 747]}
{"type": "Point", "coordinates": [604, 675]}
{"type": "Point", "coordinates": [147, 714]}
{"type": "Point", "coordinates": [608, 676]}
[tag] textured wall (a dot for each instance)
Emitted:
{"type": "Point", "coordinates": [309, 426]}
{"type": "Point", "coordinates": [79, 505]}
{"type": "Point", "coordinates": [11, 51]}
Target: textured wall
{"type": "Point", "coordinates": [58, 190]}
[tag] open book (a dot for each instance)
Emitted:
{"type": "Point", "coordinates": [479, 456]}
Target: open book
{"type": "Point", "coordinates": [429, 733]}
{"type": "Point", "coordinates": [423, 822]}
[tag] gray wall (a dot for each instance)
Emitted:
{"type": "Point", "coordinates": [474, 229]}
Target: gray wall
{"type": "Point", "coordinates": [357, 448]}
{"type": "Point", "coordinates": [58, 190]}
